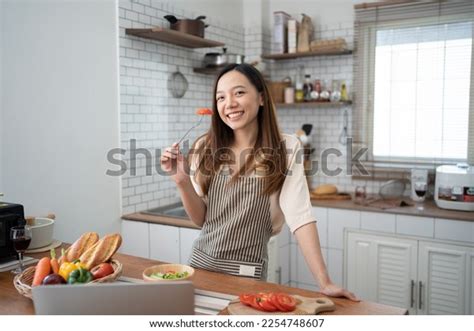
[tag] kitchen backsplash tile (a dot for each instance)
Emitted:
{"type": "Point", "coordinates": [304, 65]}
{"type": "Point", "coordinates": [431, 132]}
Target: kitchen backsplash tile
{"type": "Point", "coordinates": [150, 115]}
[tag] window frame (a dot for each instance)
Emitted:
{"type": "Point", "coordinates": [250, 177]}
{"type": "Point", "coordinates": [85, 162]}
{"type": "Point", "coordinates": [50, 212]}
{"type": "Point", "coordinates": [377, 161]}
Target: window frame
{"type": "Point", "coordinates": [368, 31]}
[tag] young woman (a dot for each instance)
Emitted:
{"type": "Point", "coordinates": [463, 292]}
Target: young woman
{"type": "Point", "coordinates": [242, 180]}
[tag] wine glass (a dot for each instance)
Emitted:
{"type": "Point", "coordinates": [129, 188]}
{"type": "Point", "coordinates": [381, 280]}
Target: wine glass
{"type": "Point", "coordinates": [420, 191]}
{"type": "Point", "coordinates": [21, 238]}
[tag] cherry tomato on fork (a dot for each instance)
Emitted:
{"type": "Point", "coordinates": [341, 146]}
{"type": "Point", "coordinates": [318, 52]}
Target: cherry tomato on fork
{"type": "Point", "coordinates": [204, 111]}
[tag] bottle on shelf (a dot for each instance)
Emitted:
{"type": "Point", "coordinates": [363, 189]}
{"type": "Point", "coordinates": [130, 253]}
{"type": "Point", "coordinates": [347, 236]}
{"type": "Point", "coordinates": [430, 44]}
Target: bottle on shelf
{"type": "Point", "coordinates": [307, 88]}
{"type": "Point", "coordinates": [344, 95]}
{"type": "Point", "coordinates": [325, 95]}
{"type": "Point", "coordinates": [299, 93]}
{"type": "Point", "coordinates": [335, 91]}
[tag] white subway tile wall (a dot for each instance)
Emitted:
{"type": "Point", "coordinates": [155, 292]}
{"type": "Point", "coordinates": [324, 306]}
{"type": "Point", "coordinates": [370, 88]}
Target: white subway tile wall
{"type": "Point", "coordinates": [149, 113]}
{"type": "Point", "coordinates": [151, 116]}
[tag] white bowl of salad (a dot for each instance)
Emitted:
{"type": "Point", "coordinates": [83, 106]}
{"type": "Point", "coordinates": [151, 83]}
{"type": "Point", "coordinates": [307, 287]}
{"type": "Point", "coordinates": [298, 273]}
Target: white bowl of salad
{"type": "Point", "coordinates": [168, 272]}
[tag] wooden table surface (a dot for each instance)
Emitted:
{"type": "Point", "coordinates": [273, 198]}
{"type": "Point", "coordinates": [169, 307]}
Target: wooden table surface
{"type": "Point", "coordinates": [11, 302]}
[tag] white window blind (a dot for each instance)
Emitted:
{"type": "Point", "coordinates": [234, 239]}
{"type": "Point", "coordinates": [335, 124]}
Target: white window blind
{"type": "Point", "coordinates": [413, 88]}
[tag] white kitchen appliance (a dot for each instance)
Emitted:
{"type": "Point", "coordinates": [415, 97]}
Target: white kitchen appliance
{"type": "Point", "coordinates": [454, 188]}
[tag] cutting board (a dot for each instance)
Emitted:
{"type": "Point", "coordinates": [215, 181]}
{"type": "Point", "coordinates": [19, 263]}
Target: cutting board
{"type": "Point", "coordinates": [337, 196]}
{"type": "Point", "coordinates": [305, 306]}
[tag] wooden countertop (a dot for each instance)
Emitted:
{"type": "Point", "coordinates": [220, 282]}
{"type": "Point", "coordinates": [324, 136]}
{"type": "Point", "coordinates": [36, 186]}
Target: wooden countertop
{"type": "Point", "coordinates": [174, 221]}
{"type": "Point", "coordinates": [11, 302]}
{"type": "Point", "coordinates": [430, 210]}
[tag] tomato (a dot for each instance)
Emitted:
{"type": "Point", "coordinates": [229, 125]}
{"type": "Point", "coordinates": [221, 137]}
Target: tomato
{"type": "Point", "coordinates": [269, 302]}
{"type": "Point", "coordinates": [286, 301]}
{"type": "Point", "coordinates": [273, 299]}
{"type": "Point", "coordinates": [254, 303]}
{"type": "Point", "coordinates": [102, 270]}
{"type": "Point", "coordinates": [266, 304]}
{"type": "Point", "coordinates": [204, 111]}
{"type": "Point", "coordinates": [246, 299]}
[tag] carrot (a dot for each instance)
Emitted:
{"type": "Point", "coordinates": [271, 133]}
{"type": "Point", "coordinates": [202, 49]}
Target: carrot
{"type": "Point", "coordinates": [43, 268]}
{"type": "Point", "coordinates": [54, 262]}
{"type": "Point", "coordinates": [63, 258]}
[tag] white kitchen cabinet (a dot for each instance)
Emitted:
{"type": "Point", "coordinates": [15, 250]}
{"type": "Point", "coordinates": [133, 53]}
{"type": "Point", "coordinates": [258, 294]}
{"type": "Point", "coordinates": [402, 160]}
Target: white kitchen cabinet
{"type": "Point", "coordinates": [187, 237]}
{"type": "Point", "coordinates": [338, 220]}
{"type": "Point", "coordinates": [382, 269]}
{"type": "Point", "coordinates": [442, 279]}
{"type": "Point", "coordinates": [283, 256]}
{"type": "Point", "coordinates": [164, 243]}
{"type": "Point", "coordinates": [470, 280]}
{"type": "Point", "coordinates": [274, 269]}
{"type": "Point", "coordinates": [135, 239]}
{"type": "Point", "coordinates": [380, 222]}
{"type": "Point", "coordinates": [423, 276]}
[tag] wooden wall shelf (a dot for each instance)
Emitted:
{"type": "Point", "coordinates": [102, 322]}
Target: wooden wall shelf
{"type": "Point", "coordinates": [315, 104]}
{"type": "Point", "coordinates": [287, 56]}
{"type": "Point", "coordinates": [173, 37]}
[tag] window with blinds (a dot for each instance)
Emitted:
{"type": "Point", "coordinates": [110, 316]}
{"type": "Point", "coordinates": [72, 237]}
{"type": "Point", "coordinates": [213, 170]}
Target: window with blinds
{"type": "Point", "coordinates": [413, 88]}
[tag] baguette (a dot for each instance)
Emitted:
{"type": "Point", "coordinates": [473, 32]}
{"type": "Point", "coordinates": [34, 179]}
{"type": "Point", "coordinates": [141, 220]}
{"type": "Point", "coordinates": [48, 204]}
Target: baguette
{"type": "Point", "coordinates": [102, 251]}
{"type": "Point", "coordinates": [325, 189]}
{"type": "Point", "coordinates": [81, 245]}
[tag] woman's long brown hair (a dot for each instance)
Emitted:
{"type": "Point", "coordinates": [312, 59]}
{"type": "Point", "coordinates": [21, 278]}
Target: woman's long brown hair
{"type": "Point", "coordinates": [269, 153]}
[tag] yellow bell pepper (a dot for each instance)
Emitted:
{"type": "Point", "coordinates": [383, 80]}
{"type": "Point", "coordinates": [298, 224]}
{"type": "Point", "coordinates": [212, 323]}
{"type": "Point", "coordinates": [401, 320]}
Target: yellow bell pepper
{"type": "Point", "coordinates": [67, 267]}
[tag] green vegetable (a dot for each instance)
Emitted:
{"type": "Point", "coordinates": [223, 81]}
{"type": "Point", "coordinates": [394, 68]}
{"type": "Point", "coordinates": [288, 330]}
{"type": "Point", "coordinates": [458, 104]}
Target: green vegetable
{"type": "Point", "coordinates": [169, 275]}
{"type": "Point", "coordinates": [80, 276]}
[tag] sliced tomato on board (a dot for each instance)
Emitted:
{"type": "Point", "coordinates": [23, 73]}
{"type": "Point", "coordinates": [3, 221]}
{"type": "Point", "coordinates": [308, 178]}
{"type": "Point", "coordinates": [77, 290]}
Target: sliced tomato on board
{"type": "Point", "coordinates": [265, 303]}
{"type": "Point", "coordinates": [269, 302]}
{"type": "Point", "coordinates": [246, 299]}
{"type": "Point", "coordinates": [250, 300]}
{"type": "Point", "coordinates": [273, 299]}
{"type": "Point", "coordinates": [286, 301]}
{"type": "Point", "coordinates": [204, 111]}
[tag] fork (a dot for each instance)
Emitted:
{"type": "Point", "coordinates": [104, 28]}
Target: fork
{"type": "Point", "coordinates": [187, 132]}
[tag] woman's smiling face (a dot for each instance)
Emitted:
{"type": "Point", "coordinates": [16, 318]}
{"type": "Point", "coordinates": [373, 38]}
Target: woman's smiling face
{"type": "Point", "coordinates": [237, 101]}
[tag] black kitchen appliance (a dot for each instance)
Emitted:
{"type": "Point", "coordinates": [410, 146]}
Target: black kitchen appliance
{"type": "Point", "coordinates": [10, 215]}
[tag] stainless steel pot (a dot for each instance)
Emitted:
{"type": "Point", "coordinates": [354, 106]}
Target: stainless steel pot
{"type": "Point", "coordinates": [221, 59]}
{"type": "Point", "coordinates": [195, 27]}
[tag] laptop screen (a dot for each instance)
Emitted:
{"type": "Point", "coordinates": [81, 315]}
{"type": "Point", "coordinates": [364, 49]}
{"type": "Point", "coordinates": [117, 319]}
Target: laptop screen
{"type": "Point", "coordinates": [120, 298]}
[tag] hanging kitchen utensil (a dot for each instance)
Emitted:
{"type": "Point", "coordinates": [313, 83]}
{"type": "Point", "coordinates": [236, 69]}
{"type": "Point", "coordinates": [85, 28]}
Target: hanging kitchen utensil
{"type": "Point", "coordinates": [177, 84]}
{"type": "Point", "coordinates": [307, 128]}
{"type": "Point", "coordinates": [343, 135]}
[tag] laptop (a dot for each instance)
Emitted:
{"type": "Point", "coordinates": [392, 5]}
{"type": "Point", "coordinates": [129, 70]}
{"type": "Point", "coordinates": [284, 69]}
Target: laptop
{"type": "Point", "coordinates": [166, 298]}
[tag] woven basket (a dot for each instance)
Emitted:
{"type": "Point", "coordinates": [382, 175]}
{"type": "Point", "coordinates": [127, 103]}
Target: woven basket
{"type": "Point", "coordinates": [23, 281]}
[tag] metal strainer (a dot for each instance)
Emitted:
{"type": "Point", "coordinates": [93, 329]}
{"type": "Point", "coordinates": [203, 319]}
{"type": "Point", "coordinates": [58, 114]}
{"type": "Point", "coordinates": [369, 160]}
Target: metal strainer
{"type": "Point", "coordinates": [177, 84]}
{"type": "Point", "coordinates": [392, 189]}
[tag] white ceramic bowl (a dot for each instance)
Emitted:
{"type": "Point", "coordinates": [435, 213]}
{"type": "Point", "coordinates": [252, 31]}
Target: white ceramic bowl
{"type": "Point", "coordinates": [41, 232]}
{"type": "Point", "coordinates": [166, 268]}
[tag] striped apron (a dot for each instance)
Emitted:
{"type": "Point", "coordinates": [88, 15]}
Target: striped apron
{"type": "Point", "coordinates": [235, 234]}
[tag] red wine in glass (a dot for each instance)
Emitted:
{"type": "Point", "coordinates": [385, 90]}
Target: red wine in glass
{"type": "Point", "coordinates": [21, 238]}
{"type": "Point", "coordinates": [420, 193]}
{"type": "Point", "coordinates": [21, 243]}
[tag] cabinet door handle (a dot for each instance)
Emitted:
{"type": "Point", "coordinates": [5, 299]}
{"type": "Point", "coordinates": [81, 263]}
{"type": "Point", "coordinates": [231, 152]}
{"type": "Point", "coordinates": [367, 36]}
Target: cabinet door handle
{"type": "Point", "coordinates": [420, 291]}
{"type": "Point", "coordinates": [412, 293]}
{"type": "Point", "coordinates": [279, 275]}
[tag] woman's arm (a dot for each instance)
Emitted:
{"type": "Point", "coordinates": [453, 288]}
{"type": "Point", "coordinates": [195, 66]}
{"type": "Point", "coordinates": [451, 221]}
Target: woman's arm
{"type": "Point", "coordinates": [174, 163]}
{"type": "Point", "coordinates": [308, 240]}
{"type": "Point", "coordinates": [192, 202]}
